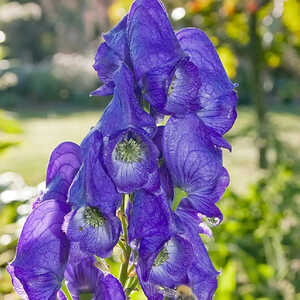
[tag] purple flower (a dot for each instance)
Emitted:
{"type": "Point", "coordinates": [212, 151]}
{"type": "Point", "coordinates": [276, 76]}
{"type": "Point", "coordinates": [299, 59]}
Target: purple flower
{"type": "Point", "coordinates": [195, 164]}
{"type": "Point", "coordinates": [202, 276]}
{"type": "Point", "coordinates": [179, 73]}
{"type": "Point", "coordinates": [130, 155]}
{"type": "Point", "coordinates": [42, 253]}
{"type": "Point", "coordinates": [83, 277]}
{"type": "Point", "coordinates": [94, 200]}
{"type": "Point", "coordinates": [150, 226]}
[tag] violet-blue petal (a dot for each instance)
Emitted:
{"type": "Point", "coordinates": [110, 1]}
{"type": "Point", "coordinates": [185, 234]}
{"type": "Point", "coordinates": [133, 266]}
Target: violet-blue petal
{"type": "Point", "coordinates": [104, 90]}
{"type": "Point", "coordinates": [203, 284]}
{"type": "Point", "coordinates": [92, 185]}
{"type": "Point", "coordinates": [110, 289]}
{"type": "Point", "coordinates": [201, 273]}
{"type": "Point", "coordinates": [150, 290]}
{"type": "Point", "coordinates": [42, 253]}
{"type": "Point", "coordinates": [124, 110]}
{"type": "Point", "coordinates": [150, 215]}
{"type": "Point", "coordinates": [130, 174]}
{"type": "Point", "coordinates": [184, 89]}
{"type": "Point", "coordinates": [98, 239]}
{"type": "Point", "coordinates": [166, 182]}
{"type": "Point", "coordinates": [116, 39]}
{"type": "Point", "coordinates": [82, 276]}
{"type": "Point", "coordinates": [195, 164]}
{"type": "Point", "coordinates": [216, 95]}
{"type": "Point", "coordinates": [148, 249]}
{"type": "Point", "coordinates": [63, 165]}
{"type": "Point", "coordinates": [154, 48]}
{"type": "Point", "coordinates": [157, 139]}
{"type": "Point", "coordinates": [106, 63]}
{"type": "Point", "coordinates": [151, 38]}
{"type": "Point", "coordinates": [173, 271]}
{"type": "Point", "coordinates": [61, 296]}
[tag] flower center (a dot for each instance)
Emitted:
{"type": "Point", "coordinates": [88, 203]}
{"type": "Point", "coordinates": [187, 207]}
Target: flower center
{"type": "Point", "coordinates": [93, 217]}
{"type": "Point", "coordinates": [129, 150]}
{"type": "Point", "coordinates": [162, 256]}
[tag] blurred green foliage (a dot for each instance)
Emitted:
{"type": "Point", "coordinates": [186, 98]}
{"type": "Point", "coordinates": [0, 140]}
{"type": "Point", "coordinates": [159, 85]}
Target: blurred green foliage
{"type": "Point", "coordinates": [256, 246]}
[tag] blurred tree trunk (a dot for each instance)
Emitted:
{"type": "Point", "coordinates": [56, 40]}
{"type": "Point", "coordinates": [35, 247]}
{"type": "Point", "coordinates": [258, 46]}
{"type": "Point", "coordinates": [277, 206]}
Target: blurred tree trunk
{"type": "Point", "coordinates": [256, 59]}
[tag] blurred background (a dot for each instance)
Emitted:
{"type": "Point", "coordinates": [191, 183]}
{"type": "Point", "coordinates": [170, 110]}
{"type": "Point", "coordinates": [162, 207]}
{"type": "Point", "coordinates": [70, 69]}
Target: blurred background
{"type": "Point", "coordinates": [46, 56]}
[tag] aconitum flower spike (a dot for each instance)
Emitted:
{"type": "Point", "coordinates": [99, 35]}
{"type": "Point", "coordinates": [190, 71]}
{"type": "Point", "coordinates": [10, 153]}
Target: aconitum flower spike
{"type": "Point", "coordinates": [42, 253]}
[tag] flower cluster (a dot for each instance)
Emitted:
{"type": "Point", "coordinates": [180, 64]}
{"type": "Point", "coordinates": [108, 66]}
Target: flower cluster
{"type": "Point", "coordinates": [134, 182]}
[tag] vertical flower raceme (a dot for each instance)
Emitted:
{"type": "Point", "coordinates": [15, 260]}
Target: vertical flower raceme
{"type": "Point", "coordinates": [146, 188]}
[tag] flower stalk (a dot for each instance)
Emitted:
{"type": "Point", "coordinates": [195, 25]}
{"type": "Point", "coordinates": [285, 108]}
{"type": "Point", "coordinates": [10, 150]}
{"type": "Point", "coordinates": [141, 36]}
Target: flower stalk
{"type": "Point", "coordinates": [125, 245]}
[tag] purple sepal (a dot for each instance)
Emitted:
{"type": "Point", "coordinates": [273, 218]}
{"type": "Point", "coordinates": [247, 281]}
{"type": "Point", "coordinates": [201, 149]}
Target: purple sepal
{"type": "Point", "coordinates": [216, 96]}
{"type": "Point", "coordinates": [92, 186]}
{"type": "Point", "coordinates": [63, 165]}
{"type": "Point", "coordinates": [116, 39]}
{"type": "Point", "coordinates": [154, 49]}
{"type": "Point", "coordinates": [125, 111]}
{"type": "Point", "coordinates": [184, 89]}
{"type": "Point", "coordinates": [130, 176]}
{"type": "Point", "coordinates": [82, 276]}
{"type": "Point", "coordinates": [99, 240]}
{"type": "Point", "coordinates": [195, 164]}
{"type": "Point", "coordinates": [104, 90]}
{"type": "Point", "coordinates": [152, 41]}
{"type": "Point", "coordinates": [42, 253]}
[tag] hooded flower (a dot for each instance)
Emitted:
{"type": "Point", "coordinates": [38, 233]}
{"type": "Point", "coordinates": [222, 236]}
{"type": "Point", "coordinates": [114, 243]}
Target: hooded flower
{"type": "Point", "coordinates": [84, 278]}
{"type": "Point", "coordinates": [130, 155]}
{"type": "Point", "coordinates": [179, 73]}
{"type": "Point", "coordinates": [42, 253]}
{"type": "Point", "coordinates": [202, 276]}
{"type": "Point", "coordinates": [150, 226]}
{"type": "Point", "coordinates": [94, 200]}
{"type": "Point", "coordinates": [195, 164]}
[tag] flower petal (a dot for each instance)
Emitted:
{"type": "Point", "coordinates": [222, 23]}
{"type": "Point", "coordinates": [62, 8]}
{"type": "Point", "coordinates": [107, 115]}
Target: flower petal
{"type": "Point", "coordinates": [183, 97]}
{"type": "Point", "coordinates": [150, 216]}
{"type": "Point", "coordinates": [42, 253]}
{"type": "Point", "coordinates": [216, 95]}
{"type": "Point", "coordinates": [92, 186]}
{"type": "Point", "coordinates": [116, 39]}
{"type": "Point", "coordinates": [124, 110]}
{"type": "Point", "coordinates": [82, 276]}
{"type": "Point", "coordinates": [63, 165]}
{"type": "Point", "coordinates": [152, 41]}
{"type": "Point", "coordinates": [99, 240]}
{"type": "Point", "coordinates": [154, 49]}
{"type": "Point", "coordinates": [130, 175]}
{"type": "Point", "coordinates": [195, 163]}
{"type": "Point", "coordinates": [106, 63]}
{"type": "Point", "coordinates": [173, 271]}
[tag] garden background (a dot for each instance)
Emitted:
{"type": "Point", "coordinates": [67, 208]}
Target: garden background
{"type": "Point", "coordinates": [46, 57]}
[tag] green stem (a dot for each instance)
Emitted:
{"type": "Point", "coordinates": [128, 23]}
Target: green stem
{"type": "Point", "coordinates": [132, 285]}
{"type": "Point", "coordinates": [126, 249]}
